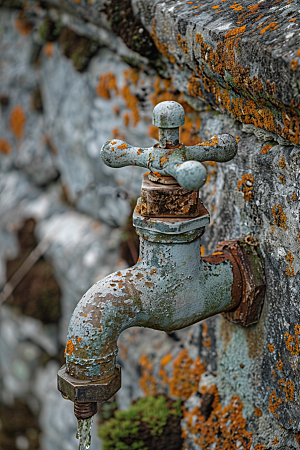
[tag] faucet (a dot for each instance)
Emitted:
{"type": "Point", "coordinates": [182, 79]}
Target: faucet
{"type": "Point", "coordinates": [171, 286]}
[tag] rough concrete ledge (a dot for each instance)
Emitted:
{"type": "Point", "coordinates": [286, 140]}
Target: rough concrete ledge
{"type": "Point", "coordinates": [240, 57]}
{"type": "Point", "coordinates": [243, 56]}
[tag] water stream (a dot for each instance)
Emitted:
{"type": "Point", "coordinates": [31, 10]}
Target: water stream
{"type": "Point", "coordinates": [84, 433]}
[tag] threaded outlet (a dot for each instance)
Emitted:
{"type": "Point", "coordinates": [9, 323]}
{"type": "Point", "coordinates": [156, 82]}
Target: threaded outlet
{"type": "Point", "coordinates": [85, 410]}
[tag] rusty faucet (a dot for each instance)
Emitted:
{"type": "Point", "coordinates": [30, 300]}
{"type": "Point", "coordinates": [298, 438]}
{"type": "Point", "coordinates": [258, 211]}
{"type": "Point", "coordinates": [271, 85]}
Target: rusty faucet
{"type": "Point", "coordinates": [171, 286]}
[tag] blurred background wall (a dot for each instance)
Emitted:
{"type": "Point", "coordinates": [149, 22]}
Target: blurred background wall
{"type": "Point", "coordinates": [73, 75]}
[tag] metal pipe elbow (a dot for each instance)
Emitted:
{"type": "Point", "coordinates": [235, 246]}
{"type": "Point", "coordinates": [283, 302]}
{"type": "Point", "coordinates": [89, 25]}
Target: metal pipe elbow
{"type": "Point", "coordinates": [110, 306]}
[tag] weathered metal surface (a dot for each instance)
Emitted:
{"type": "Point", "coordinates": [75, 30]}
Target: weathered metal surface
{"type": "Point", "coordinates": [171, 158]}
{"type": "Point", "coordinates": [153, 294]}
{"type": "Point", "coordinates": [83, 391]}
{"type": "Point", "coordinates": [161, 200]}
{"type": "Point", "coordinates": [168, 115]}
{"type": "Point", "coordinates": [250, 264]}
{"type": "Point", "coordinates": [237, 287]}
{"type": "Point", "coordinates": [171, 226]}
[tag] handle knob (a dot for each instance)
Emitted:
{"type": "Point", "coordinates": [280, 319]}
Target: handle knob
{"type": "Point", "coordinates": [169, 157]}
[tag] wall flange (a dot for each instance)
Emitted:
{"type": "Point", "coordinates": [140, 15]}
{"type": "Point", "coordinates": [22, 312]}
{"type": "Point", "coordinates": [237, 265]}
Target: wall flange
{"type": "Point", "coordinates": [250, 264]}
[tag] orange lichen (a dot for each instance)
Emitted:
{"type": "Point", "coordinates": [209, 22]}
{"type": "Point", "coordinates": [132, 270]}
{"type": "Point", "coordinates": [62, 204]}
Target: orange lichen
{"type": "Point", "coordinates": [271, 27]}
{"type": "Point", "coordinates": [294, 197]}
{"type": "Point", "coordinates": [282, 179]}
{"type": "Point", "coordinates": [290, 271]}
{"type": "Point", "coordinates": [48, 49]}
{"type": "Point", "coordinates": [122, 146]}
{"type": "Point", "coordinates": [246, 186]}
{"type": "Point", "coordinates": [293, 346]}
{"type": "Point", "coordinates": [23, 25]}
{"type": "Point", "coordinates": [162, 48]}
{"type": "Point", "coordinates": [132, 103]}
{"type": "Point", "coordinates": [294, 64]}
{"type": "Point", "coordinates": [257, 412]}
{"type": "Point", "coordinates": [17, 121]}
{"type": "Point", "coordinates": [282, 163]}
{"type": "Point", "coordinates": [185, 377]}
{"type": "Point", "coordinates": [289, 257]}
{"type": "Point", "coordinates": [69, 347]}
{"type": "Point", "coordinates": [205, 336]}
{"type": "Point", "coordinates": [279, 217]}
{"type": "Point", "coordinates": [107, 83]}
{"type": "Point", "coordinates": [289, 391]}
{"type": "Point", "coordinates": [271, 348]}
{"type": "Point", "coordinates": [153, 132]}
{"type": "Point", "coordinates": [274, 403]}
{"type": "Point", "coordinates": [163, 91]}
{"type": "Point", "coordinates": [126, 119]}
{"type": "Point", "coordinates": [252, 107]}
{"type": "Point", "coordinates": [4, 146]}
{"type": "Point", "coordinates": [279, 365]}
{"type": "Point", "coordinates": [225, 428]}
{"type": "Point", "coordinates": [213, 141]}
{"type": "Point", "coordinates": [148, 382]}
{"type": "Point", "coordinates": [182, 43]}
{"type": "Point", "coordinates": [259, 447]}
{"type": "Point", "coordinates": [117, 134]}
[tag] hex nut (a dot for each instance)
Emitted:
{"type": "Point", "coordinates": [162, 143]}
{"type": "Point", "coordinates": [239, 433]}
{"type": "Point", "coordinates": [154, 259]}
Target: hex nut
{"type": "Point", "coordinates": [161, 200]}
{"type": "Point", "coordinates": [83, 391]}
{"type": "Point", "coordinates": [250, 264]}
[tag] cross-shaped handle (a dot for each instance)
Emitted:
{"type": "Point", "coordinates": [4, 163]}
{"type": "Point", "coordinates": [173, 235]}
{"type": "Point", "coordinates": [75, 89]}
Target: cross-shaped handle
{"type": "Point", "coordinates": [169, 157]}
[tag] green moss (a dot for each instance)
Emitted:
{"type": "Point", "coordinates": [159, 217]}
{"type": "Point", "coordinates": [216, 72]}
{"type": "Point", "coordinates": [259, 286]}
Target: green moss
{"type": "Point", "coordinates": [148, 416]}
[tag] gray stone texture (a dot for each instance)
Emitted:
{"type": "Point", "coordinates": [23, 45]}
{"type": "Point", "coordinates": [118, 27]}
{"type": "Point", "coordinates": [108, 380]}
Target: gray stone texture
{"type": "Point", "coordinates": [51, 171]}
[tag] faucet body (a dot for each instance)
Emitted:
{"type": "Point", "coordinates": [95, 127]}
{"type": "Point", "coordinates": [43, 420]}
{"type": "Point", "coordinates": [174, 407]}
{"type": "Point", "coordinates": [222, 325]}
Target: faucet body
{"type": "Point", "coordinates": [171, 286]}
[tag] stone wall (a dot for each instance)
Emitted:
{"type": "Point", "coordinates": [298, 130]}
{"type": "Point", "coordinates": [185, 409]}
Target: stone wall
{"type": "Point", "coordinates": [74, 74]}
